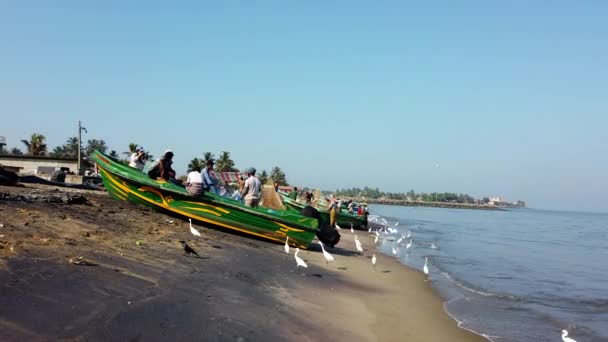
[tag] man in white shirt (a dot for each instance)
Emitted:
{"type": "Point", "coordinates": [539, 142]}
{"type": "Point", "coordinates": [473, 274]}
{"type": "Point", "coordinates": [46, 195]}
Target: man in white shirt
{"type": "Point", "coordinates": [252, 189]}
{"type": "Point", "coordinates": [138, 158]}
{"type": "Point", "coordinates": [194, 183]}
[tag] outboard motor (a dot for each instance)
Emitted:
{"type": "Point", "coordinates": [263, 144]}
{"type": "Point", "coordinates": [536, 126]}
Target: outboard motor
{"type": "Point", "coordinates": [328, 235]}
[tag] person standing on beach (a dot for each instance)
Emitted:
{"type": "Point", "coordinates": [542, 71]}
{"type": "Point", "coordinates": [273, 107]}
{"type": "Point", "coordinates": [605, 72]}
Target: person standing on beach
{"type": "Point", "coordinates": [332, 212]}
{"type": "Point", "coordinates": [309, 197]}
{"type": "Point", "coordinates": [252, 189]}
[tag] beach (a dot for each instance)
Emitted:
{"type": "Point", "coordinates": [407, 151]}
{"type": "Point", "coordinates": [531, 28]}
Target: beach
{"type": "Point", "coordinates": [115, 271]}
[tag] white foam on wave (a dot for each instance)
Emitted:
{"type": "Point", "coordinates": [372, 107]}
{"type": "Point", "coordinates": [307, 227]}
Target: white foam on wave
{"type": "Point", "coordinates": [479, 292]}
{"type": "Point", "coordinates": [460, 323]}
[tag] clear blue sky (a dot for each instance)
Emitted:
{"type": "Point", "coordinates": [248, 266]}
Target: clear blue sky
{"type": "Point", "coordinates": [509, 97]}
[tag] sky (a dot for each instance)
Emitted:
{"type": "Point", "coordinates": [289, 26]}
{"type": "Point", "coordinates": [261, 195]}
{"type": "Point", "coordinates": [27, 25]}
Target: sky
{"type": "Point", "coordinates": [508, 98]}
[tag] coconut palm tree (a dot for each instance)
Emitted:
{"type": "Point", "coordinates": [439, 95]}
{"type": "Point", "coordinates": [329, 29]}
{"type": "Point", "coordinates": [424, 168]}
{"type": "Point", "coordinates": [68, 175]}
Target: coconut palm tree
{"type": "Point", "coordinates": [36, 145]}
{"type": "Point", "coordinates": [16, 152]}
{"type": "Point", "coordinates": [224, 163]}
{"type": "Point", "coordinates": [196, 162]}
{"type": "Point", "coordinates": [207, 156]}
{"type": "Point", "coordinates": [263, 177]}
{"type": "Point", "coordinates": [277, 175]}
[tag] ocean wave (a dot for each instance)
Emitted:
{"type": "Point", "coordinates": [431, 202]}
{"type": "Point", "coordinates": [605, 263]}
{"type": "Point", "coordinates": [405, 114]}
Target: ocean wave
{"type": "Point", "coordinates": [479, 291]}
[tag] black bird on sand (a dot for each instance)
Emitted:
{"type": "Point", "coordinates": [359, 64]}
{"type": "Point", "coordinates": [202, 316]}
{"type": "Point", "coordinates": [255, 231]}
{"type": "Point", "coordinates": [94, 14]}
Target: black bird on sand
{"type": "Point", "coordinates": [187, 249]}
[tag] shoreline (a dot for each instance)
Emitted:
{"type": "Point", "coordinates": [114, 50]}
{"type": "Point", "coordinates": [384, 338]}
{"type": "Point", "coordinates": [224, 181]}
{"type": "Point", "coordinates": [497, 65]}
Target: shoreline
{"type": "Point", "coordinates": [240, 289]}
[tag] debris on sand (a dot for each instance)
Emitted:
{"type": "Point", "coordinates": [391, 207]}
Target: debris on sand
{"type": "Point", "coordinates": [81, 261]}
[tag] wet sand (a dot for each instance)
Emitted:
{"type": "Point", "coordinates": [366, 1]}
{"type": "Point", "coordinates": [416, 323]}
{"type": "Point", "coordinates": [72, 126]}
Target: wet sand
{"type": "Point", "coordinates": [142, 288]}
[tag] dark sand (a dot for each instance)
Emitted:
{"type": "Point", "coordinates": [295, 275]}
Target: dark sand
{"type": "Point", "coordinates": [240, 289]}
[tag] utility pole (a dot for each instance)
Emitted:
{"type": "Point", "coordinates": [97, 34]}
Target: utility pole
{"type": "Point", "coordinates": [80, 129]}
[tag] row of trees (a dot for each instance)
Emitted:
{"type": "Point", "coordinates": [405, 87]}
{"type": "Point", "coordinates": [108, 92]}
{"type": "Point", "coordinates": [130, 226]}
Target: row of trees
{"type": "Point", "coordinates": [410, 195]}
{"type": "Point", "coordinates": [36, 146]}
{"type": "Point", "coordinates": [225, 164]}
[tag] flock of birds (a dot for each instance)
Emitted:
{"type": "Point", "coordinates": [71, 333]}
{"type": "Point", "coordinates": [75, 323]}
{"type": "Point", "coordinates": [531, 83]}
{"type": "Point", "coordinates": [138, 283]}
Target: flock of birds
{"type": "Point", "coordinates": [329, 258]}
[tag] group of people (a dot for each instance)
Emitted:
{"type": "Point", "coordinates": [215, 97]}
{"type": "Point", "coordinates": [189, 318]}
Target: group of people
{"type": "Point", "coordinates": [198, 181]}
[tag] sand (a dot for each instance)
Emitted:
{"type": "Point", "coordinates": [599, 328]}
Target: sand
{"type": "Point", "coordinates": [140, 286]}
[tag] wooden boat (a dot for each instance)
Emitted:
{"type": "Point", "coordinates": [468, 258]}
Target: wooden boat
{"type": "Point", "coordinates": [344, 219]}
{"type": "Point", "coordinates": [129, 184]}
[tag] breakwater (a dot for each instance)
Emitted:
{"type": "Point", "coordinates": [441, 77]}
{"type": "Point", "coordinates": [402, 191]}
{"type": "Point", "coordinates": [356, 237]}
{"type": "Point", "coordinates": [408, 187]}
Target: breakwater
{"type": "Point", "coordinates": [407, 203]}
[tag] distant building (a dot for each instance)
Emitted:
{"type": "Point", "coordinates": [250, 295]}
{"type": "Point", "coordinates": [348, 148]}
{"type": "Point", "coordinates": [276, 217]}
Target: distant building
{"type": "Point", "coordinates": [34, 164]}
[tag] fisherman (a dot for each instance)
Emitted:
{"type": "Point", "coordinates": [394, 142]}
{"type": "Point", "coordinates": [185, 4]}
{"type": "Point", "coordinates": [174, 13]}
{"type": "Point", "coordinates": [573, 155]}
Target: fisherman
{"type": "Point", "coordinates": [309, 197]}
{"type": "Point", "coordinates": [194, 183]}
{"type": "Point", "coordinates": [294, 193]}
{"type": "Point", "coordinates": [333, 203]}
{"type": "Point", "coordinates": [162, 168]}
{"type": "Point", "coordinates": [252, 189]}
{"type": "Point", "coordinates": [209, 182]}
{"type": "Point", "coordinates": [138, 158]}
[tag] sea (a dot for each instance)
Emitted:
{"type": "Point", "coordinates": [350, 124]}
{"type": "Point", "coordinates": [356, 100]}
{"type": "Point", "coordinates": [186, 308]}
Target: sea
{"type": "Point", "coordinates": [514, 275]}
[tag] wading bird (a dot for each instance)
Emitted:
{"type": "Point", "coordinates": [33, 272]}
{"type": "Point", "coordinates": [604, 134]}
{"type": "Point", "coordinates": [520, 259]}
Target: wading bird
{"type": "Point", "coordinates": [358, 245]}
{"type": "Point", "coordinates": [187, 249]}
{"type": "Point", "coordinates": [425, 268]}
{"type": "Point", "coordinates": [328, 257]}
{"type": "Point", "coordinates": [409, 244]}
{"type": "Point", "coordinates": [338, 227]}
{"type": "Point", "coordinates": [287, 245]}
{"type": "Point", "coordinates": [394, 251]}
{"type": "Point", "coordinates": [299, 260]}
{"type": "Point", "coordinates": [193, 230]}
{"type": "Point", "coordinates": [565, 336]}
{"type": "Point", "coordinates": [409, 233]}
{"type": "Point", "coordinates": [374, 261]}
{"type": "Point", "coordinates": [401, 238]}
{"type": "Point", "coordinates": [351, 228]}
{"type": "Point", "coordinates": [376, 239]}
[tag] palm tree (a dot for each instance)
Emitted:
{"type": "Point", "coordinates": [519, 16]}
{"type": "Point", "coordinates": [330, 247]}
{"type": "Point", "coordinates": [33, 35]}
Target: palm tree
{"type": "Point", "coordinates": [16, 152]}
{"type": "Point", "coordinates": [196, 162]}
{"type": "Point", "coordinates": [95, 144]}
{"type": "Point", "coordinates": [263, 177]}
{"type": "Point", "coordinates": [35, 146]}
{"type": "Point", "coordinates": [207, 156]}
{"type": "Point", "coordinates": [132, 147]}
{"type": "Point", "coordinates": [277, 175]}
{"type": "Point", "coordinates": [224, 163]}
{"type": "Point", "coordinates": [67, 150]}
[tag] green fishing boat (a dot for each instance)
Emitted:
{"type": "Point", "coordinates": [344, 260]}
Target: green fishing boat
{"type": "Point", "coordinates": [343, 219]}
{"type": "Point", "coordinates": [129, 184]}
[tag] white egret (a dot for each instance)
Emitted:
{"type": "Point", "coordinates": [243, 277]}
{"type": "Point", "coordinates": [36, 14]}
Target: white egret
{"type": "Point", "coordinates": [299, 260]}
{"type": "Point", "coordinates": [425, 268]}
{"type": "Point", "coordinates": [409, 244]}
{"type": "Point", "coordinates": [338, 227]}
{"type": "Point", "coordinates": [328, 257]}
{"type": "Point", "coordinates": [565, 336]}
{"type": "Point", "coordinates": [409, 233]}
{"type": "Point", "coordinates": [396, 223]}
{"type": "Point", "coordinates": [394, 251]}
{"type": "Point", "coordinates": [370, 229]}
{"type": "Point", "coordinates": [287, 245]}
{"type": "Point", "coordinates": [374, 261]}
{"type": "Point", "coordinates": [351, 228]}
{"type": "Point", "coordinates": [193, 230]}
{"type": "Point", "coordinates": [401, 238]}
{"type": "Point", "coordinates": [433, 246]}
{"type": "Point", "coordinates": [358, 245]}
{"type": "Point", "coordinates": [376, 239]}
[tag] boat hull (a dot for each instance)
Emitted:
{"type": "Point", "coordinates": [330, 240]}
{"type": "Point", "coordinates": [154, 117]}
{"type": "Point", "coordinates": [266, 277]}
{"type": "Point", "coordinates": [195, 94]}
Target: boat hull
{"type": "Point", "coordinates": [209, 209]}
{"type": "Point", "coordinates": [344, 219]}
